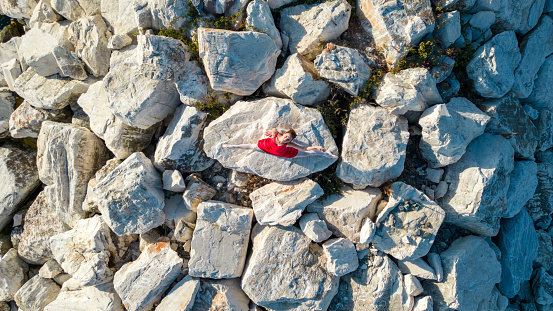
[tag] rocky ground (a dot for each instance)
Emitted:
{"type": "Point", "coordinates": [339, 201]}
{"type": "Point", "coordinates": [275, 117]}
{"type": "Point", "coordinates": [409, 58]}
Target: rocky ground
{"type": "Point", "coordinates": [116, 192]}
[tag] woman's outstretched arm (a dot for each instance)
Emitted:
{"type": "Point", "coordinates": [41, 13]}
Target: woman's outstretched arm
{"type": "Point", "coordinates": [304, 148]}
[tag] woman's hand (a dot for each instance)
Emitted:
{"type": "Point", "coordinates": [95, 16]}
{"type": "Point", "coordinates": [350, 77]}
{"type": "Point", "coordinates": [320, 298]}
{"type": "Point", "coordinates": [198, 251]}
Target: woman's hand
{"type": "Point", "coordinates": [320, 148]}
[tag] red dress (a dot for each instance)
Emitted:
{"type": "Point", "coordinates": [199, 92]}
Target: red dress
{"type": "Point", "coordinates": [269, 145]}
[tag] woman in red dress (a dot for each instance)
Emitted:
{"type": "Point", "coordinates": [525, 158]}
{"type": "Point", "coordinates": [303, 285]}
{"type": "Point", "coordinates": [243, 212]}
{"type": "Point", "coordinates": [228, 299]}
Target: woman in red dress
{"type": "Point", "coordinates": [281, 145]}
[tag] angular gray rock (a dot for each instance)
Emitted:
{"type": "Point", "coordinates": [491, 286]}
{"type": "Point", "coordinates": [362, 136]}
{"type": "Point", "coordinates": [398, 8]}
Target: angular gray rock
{"type": "Point", "coordinates": [75, 9]}
{"type": "Point", "coordinates": [282, 203]}
{"type": "Point", "coordinates": [131, 197]}
{"type": "Point", "coordinates": [478, 185]}
{"type": "Point", "coordinates": [43, 13]}
{"type": "Point", "coordinates": [19, 179]}
{"type": "Point", "coordinates": [84, 251]}
{"type": "Point", "coordinates": [447, 130]}
{"type": "Point", "coordinates": [173, 181]}
{"type": "Point", "coordinates": [368, 229]}
{"type": "Point", "coordinates": [411, 89]}
{"type": "Point", "coordinates": [343, 66]}
{"type": "Point", "coordinates": [374, 147]}
{"type": "Point", "coordinates": [435, 261]}
{"type": "Point", "coordinates": [493, 65]}
{"type": "Point", "coordinates": [534, 48]}
{"type": "Point", "coordinates": [90, 37]}
{"type": "Point", "coordinates": [544, 126]}
{"type": "Point", "coordinates": [523, 184]}
{"type": "Point", "coordinates": [276, 276]}
{"type": "Point", "coordinates": [448, 28]}
{"type": "Point", "coordinates": [308, 27]}
{"type": "Point", "coordinates": [197, 191]}
{"type": "Point", "coordinates": [50, 269]}
{"type": "Point", "coordinates": [7, 54]}
{"type": "Point", "coordinates": [261, 19]}
{"type": "Point", "coordinates": [495, 301]}
{"type": "Point", "coordinates": [36, 294]}
{"type": "Point", "coordinates": [67, 158]}
{"type": "Point", "coordinates": [341, 256]}
{"type": "Point", "coordinates": [192, 84]}
{"type": "Point", "coordinates": [407, 226]}
{"type": "Point", "coordinates": [10, 70]}
{"type": "Point", "coordinates": [221, 295]}
{"type": "Point", "coordinates": [230, 62]}
{"type": "Point", "coordinates": [344, 213]}
{"type": "Point", "coordinates": [471, 271]}
{"type": "Point", "coordinates": [220, 240]}
{"type": "Point", "coordinates": [90, 203]}
{"type": "Point", "coordinates": [418, 268]}
{"type": "Point", "coordinates": [26, 120]}
{"type": "Point", "coordinates": [120, 138]}
{"type": "Point", "coordinates": [246, 122]}
{"type": "Point", "coordinates": [181, 147]}
{"type": "Point", "coordinates": [314, 228]}
{"type": "Point", "coordinates": [540, 206]}
{"type": "Point", "coordinates": [518, 242]}
{"type": "Point", "coordinates": [142, 282]}
{"type": "Point", "coordinates": [181, 297]}
{"type": "Point", "coordinates": [13, 274]}
{"type": "Point", "coordinates": [119, 14]}
{"type": "Point", "coordinates": [542, 287]}
{"type": "Point", "coordinates": [545, 250]}
{"type": "Point", "coordinates": [17, 9]}
{"type": "Point", "coordinates": [412, 285]}
{"type": "Point", "coordinates": [7, 106]}
{"type": "Point", "coordinates": [91, 298]}
{"type": "Point", "coordinates": [140, 82]}
{"type": "Point", "coordinates": [541, 93]}
{"type": "Point", "coordinates": [160, 14]}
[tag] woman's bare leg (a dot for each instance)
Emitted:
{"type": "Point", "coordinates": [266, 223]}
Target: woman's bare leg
{"type": "Point", "coordinates": [243, 147]}
{"type": "Point", "coordinates": [315, 152]}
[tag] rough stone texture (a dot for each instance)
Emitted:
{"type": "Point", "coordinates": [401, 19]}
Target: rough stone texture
{"type": "Point", "coordinates": [407, 226]}
{"type": "Point", "coordinates": [442, 70]}
{"type": "Point", "coordinates": [140, 82]}
{"type": "Point", "coordinates": [478, 185]}
{"type": "Point", "coordinates": [120, 138]}
{"type": "Point", "coordinates": [26, 120]}
{"type": "Point", "coordinates": [540, 206]}
{"type": "Point", "coordinates": [518, 242]}
{"type": "Point", "coordinates": [341, 256]}
{"type": "Point", "coordinates": [84, 251]}
{"type": "Point", "coordinates": [181, 297]}
{"type": "Point", "coordinates": [43, 13]}
{"type": "Point", "coordinates": [50, 269]}
{"type": "Point", "coordinates": [343, 66]}
{"type": "Point", "coordinates": [544, 126]}
{"type": "Point", "coordinates": [542, 287]}
{"type": "Point", "coordinates": [10, 70]}
{"type": "Point", "coordinates": [425, 303]}
{"type": "Point", "coordinates": [51, 92]}
{"type": "Point", "coordinates": [412, 285]}
{"type": "Point", "coordinates": [509, 118]}
{"type": "Point", "coordinates": [374, 147]}
{"type": "Point", "coordinates": [90, 203]}
{"type": "Point", "coordinates": [67, 158]}
{"type": "Point", "coordinates": [447, 130]}
{"type": "Point", "coordinates": [220, 240]}
{"type": "Point", "coordinates": [308, 27]}
{"type": "Point", "coordinates": [13, 274]}
{"type": "Point", "coordinates": [237, 61]}
{"type": "Point", "coordinates": [493, 65]}
{"type": "Point", "coordinates": [75, 9]}
{"type": "Point", "coordinates": [119, 14]}
{"type": "Point", "coordinates": [142, 282]}
{"type": "Point", "coordinates": [173, 181]}
{"type": "Point", "coordinates": [36, 294]}
{"type": "Point", "coordinates": [418, 268]}
{"type": "Point", "coordinates": [470, 272]}
{"type": "Point", "coordinates": [283, 203]}
{"type": "Point", "coordinates": [408, 90]}
{"type": "Point", "coordinates": [495, 301]}
{"type": "Point", "coordinates": [160, 14]}
{"type": "Point", "coordinates": [448, 28]}
{"type": "Point", "coordinates": [91, 298]}
{"type": "Point", "coordinates": [314, 228]}
{"type": "Point", "coordinates": [368, 229]}
{"type": "Point", "coordinates": [518, 15]}
{"type": "Point", "coordinates": [523, 184]}
{"type": "Point", "coordinates": [545, 250]}
{"type": "Point", "coordinates": [541, 93]}
{"type": "Point", "coordinates": [90, 37]}
{"type": "Point", "coordinates": [7, 105]}
{"type": "Point", "coordinates": [193, 85]}
{"type": "Point", "coordinates": [8, 51]}
{"type": "Point", "coordinates": [19, 178]}
{"type": "Point", "coordinates": [534, 48]}
{"type": "Point", "coordinates": [17, 9]}
{"type": "Point", "coordinates": [395, 25]}
{"type": "Point", "coordinates": [41, 223]}
{"type": "Point", "coordinates": [260, 18]}
{"type": "Point", "coordinates": [181, 147]}
{"type": "Point", "coordinates": [220, 295]}
{"type": "Point", "coordinates": [435, 262]}
{"type": "Point", "coordinates": [344, 213]}
{"type": "Point", "coordinates": [298, 79]}
{"type": "Point", "coordinates": [197, 191]}
{"type": "Point", "coordinates": [376, 285]}
{"type": "Point", "coordinates": [276, 276]}
{"type": "Point", "coordinates": [131, 197]}
{"type": "Point", "coordinates": [245, 123]}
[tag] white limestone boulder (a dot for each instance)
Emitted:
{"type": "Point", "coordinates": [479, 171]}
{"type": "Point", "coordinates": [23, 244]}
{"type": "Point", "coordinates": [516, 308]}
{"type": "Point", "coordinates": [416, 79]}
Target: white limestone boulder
{"type": "Point", "coordinates": [492, 68]}
{"type": "Point", "coordinates": [90, 203]}
{"type": "Point", "coordinates": [181, 297]}
{"type": "Point", "coordinates": [237, 61]}
{"type": "Point", "coordinates": [91, 298]}
{"type": "Point", "coordinates": [36, 294]}
{"type": "Point", "coordinates": [411, 89]}
{"type": "Point", "coordinates": [540, 206]}
{"type": "Point", "coordinates": [181, 147]}
{"type": "Point", "coordinates": [522, 186]}
{"type": "Point", "coordinates": [260, 18]}
{"type": "Point", "coordinates": [343, 66]}
{"type": "Point", "coordinates": [140, 83]}
{"type": "Point", "coordinates": [412, 285]}
{"type": "Point", "coordinates": [518, 242]}
{"type": "Point", "coordinates": [246, 122]}
{"type": "Point", "coordinates": [142, 282]}
{"type": "Point", "coordinates": [75, 9]}
{"type": "Point", "coordinates": [90, 37]}
{"type": "Point", "coordinates": [276, 276]}
{"type": "Point", "coordinates": [314, 228]}
{"type": "Point", "coordinates": [344, 213]}
{"type": "Point", "coordinates": [368, 229]}
{"type": "Point", "coordinates": [518, 15]}
{"type": "Point", "coordinates": [43, 13]}
{"type": "Point", "coordinates": [26, 120]}
{"type": "Point", "coordinates": [67, 158]}
{"type": "Point", "coordinates": [407, 226]}
{"type": "Point", "coordinates": [8, 52]}
{"type": "Point", "coordinates": [173, 181]}
{"type": "Point", "coordinates": [160, 14]}
{"type": "Point", "coordinates": [50, 269]}
{"type": "Point", "coordinates": [119, 14]}
{"type": "Point", "coordinates": [131, 197]}
{"type": "Point", "coordinates": [19, 177]}
{"type": "Point", "coordinates": [374, 147]}
{"type": "Point", "coordinates": [10, 70]}
{"type": "Point", "coordinates": [220, 294]}
{"type": "Point", "coordinates": [282, 203]}
{"type": "Point", "coordinates": [447, 130]}
{"type": "Point", "coordinates": [192, 84]}
{"type": "Point", "coordinates": [13, 274]}
{"type": "Point", "coordinates": [471, 271]}
{"type": "Point", "coordinates": [7, 106]}
{"type": "Point", "coordinates": [17, 9]}
{"type": "Point", "coordinates": [448, 28]}
{"type": "Point", "coordinates": [478, 185]}
{"type": "Point", "coordinates": [298, 79]}
{"type": "Point", "coordinates": [540, 97]}
{"type": "Point", "coordinates": [395, 25]}
{"type": "Point", "coordinates": [307, 28]}
{"type": "Point", "coordinates": [220, 240]}
{"type": "Point", "coordinates": [341, 256]}
{"type": "Point", "coordinates": [418, 268]}
{"type": "Point", "coordinates": [53, 92]}
{"type": "Point", "coordinates": [84, 251]}
{"type": "Point", "coordinates": [197, 191]}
